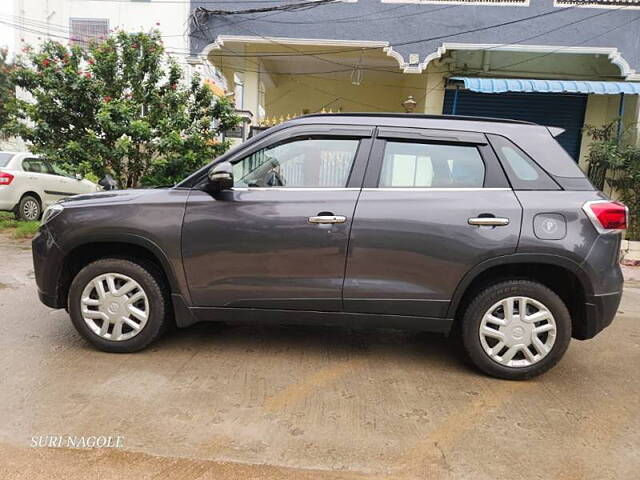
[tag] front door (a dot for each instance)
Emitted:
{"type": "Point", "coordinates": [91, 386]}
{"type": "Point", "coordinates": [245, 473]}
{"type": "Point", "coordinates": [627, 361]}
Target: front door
{"type": "Point", "coordinates": [279, 239]}
{"type": "Point", "coordinates": [435, 204]}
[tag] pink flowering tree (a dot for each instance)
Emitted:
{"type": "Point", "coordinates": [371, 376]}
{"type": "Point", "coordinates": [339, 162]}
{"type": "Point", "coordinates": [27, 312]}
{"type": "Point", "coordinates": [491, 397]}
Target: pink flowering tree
{"type": "Point", "coordinates": [7, 94]}
{"type": "Point", "coordinates": [119, 106]}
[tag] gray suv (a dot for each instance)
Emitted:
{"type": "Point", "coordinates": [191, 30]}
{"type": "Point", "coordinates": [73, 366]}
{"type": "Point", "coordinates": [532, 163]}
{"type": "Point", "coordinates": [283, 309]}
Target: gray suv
{"type": "Point", "coordinates": [476, 226]}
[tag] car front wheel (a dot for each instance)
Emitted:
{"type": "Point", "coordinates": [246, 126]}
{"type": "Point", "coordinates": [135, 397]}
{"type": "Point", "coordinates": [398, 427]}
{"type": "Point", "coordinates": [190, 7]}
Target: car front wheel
{"type": "Point", "coordinates": [516, 329]}
{"type": "Point", "coordinates": [119, 305]}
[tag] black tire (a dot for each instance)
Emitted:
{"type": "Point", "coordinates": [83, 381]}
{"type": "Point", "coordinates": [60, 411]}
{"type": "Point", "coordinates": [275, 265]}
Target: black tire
{"type": "Point", "coordinates": [24, 212]}
{"type": "Point", "coordinates": [472, 318]}
{"type": "Point", "coordinates": [159, 317]}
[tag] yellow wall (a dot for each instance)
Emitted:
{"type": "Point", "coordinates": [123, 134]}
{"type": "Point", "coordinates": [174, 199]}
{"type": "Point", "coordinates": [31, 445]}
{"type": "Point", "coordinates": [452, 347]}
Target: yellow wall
{"type": "Point", "coordinates": [603, 109]}
{"type": "Point", "coordinates": [376, 93]}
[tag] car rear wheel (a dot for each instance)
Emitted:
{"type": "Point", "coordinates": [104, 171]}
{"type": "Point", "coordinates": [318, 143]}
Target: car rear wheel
{"type": "Point", "coordinates": [29, 209]}
{"type": "Point", "coordinates": [119, 305]}
{"type": "Point", "coordinates": [516, 329]}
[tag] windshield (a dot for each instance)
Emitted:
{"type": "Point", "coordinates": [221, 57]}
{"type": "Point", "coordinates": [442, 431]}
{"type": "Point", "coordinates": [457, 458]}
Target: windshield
{"type": "Point", "coordinates": [5, 158]}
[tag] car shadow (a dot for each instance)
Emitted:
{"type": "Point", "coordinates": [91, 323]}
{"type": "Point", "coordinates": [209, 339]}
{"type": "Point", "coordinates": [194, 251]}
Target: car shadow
{"type": "Point", "coordinates": [312, 340]}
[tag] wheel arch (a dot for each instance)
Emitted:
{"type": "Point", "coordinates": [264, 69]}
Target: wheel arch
{"type": "Point", "coordinates": [134, 247]}
{"type": "Point", "coordinates": [33, 194]}
{"type": "Point", "coordinates": [565, 277]}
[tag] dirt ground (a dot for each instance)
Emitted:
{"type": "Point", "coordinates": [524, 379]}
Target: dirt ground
{"type": "Point", "coordinates": [252, 402]}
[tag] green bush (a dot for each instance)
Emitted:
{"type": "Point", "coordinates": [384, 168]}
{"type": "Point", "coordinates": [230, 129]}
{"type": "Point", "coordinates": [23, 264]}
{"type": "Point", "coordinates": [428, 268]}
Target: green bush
{"type": "Point", "coordinates": [616, 165]}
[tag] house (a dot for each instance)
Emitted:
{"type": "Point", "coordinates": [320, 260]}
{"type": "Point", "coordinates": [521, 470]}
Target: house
{"type": "Point", "coordinates": [431, 56]}
{"type": "Point", "coordinates": [79, 21]}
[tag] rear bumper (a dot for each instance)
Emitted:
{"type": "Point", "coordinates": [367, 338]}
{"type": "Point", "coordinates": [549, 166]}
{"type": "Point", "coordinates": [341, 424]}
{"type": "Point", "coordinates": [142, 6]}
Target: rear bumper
{"type": "Point", "coordinates": [599, 313]}
{"type": "Point", "coordinates": [47, 266]}
{"type": "Point", "coordinates": [8, 200]}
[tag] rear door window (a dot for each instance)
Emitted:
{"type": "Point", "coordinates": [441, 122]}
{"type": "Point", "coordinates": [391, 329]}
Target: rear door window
{"type": "Point", "coordinates": [36, 165]}
{"type": "Point", "coordinates": [427, 165]}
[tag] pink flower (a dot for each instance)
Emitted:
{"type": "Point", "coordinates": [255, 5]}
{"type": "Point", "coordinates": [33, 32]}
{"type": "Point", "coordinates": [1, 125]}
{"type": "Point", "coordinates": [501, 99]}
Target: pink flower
{"type": "Point", "coordinates": [45, 62]}
{"type": "Point", "coordinates": [107, 99]}
{"type": "Point", "coordinates": [173, 86]}
{"type": "Point", "coordinates": [87, 75]}
{"type": "Point", "coordinates": [91, 61]}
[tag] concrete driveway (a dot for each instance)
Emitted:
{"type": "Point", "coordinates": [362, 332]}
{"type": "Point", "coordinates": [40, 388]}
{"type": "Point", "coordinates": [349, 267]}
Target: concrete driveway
{"type": "Point", "coordinates": [251, 402]}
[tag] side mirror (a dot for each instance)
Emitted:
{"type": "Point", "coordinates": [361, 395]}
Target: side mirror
{"type": "Point", "coordinates": [220, 177]}
{"type": "Point", "coordinates": [78, 176]}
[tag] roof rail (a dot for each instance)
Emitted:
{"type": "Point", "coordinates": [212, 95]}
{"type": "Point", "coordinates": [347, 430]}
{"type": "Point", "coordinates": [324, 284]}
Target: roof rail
{"type": "Point", "coordinates": [417, 115]}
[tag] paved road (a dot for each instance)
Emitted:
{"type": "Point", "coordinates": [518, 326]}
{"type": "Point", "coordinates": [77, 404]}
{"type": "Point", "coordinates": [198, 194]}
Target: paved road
{"type": "Point", "coordinates": [250, 402]}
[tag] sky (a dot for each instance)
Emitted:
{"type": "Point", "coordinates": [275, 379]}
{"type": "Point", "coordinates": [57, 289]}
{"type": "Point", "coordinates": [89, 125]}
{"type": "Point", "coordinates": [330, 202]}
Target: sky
{"type": "Point", "coordinates": [6, 32]}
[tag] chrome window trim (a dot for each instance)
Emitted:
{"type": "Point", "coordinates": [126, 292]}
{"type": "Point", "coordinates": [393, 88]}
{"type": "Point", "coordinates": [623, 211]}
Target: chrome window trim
{"type": "Point", "coordinates": [355, 189]}
{"type": "Point", "coordinates": [427, 189]}
{"type": "Point", "coordinates": [296, 189]}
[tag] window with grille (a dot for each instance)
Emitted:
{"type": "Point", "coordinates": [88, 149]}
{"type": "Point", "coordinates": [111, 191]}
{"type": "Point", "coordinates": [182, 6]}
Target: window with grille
{"type": "Point", "coordinates": [83, 30]}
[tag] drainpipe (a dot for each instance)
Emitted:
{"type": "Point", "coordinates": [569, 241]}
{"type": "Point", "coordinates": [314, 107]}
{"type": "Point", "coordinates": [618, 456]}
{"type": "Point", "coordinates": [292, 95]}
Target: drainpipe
{"type": "Point", "coordinates": [620, 114]}
{"type": "Point", "coordinates": [486, 60]}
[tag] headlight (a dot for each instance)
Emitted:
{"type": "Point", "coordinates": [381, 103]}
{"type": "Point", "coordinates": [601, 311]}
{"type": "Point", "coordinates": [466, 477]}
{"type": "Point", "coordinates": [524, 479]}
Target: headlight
{"type": "Point", "coordinates": [51, 212]}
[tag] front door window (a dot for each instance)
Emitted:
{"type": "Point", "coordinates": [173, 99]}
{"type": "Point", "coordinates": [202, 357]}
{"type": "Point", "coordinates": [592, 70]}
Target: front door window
{"type": "Point", "coordinates": [303, 163]}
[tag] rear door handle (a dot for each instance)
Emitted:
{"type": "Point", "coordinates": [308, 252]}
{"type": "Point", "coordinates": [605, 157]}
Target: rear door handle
{"type": "Point", "coordinates": [328, 219]}
{"type": "Point", "coordinates": [489, 221]}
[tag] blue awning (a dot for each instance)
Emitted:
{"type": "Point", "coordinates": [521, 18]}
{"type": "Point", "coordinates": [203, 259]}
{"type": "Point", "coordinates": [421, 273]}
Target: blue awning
{"type": "Point", "coordinates": [502, 85]}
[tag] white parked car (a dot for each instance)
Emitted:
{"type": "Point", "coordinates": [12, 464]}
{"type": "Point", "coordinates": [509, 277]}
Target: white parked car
{"type": "Point", "coordinates": [29, 184]}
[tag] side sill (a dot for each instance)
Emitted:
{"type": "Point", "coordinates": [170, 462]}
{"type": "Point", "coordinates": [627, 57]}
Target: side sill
{"type": "Point", "coordinates": [298, 317]}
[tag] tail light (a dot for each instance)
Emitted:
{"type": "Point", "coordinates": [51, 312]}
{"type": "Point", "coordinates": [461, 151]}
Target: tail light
{"type": "Point", "coordinates": [5, 178]}
{"type": "Point", "coordinates": [607, 216]}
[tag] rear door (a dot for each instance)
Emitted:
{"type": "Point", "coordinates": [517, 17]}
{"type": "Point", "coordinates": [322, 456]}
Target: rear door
{"type": "Point", "coordinates": [279, 239]}
{"type": "Point", "coordinates": [42, 179]}
{"type": "Point", "coordinates": [435, 204]}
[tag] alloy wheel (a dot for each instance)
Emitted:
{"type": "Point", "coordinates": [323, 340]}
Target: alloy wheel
{"type": "Point", "coordinates": [30, 210]}
{"type": "Point", "coordinates": [517, 331]}
{"type": "Point", "coordinates": [114, 306]}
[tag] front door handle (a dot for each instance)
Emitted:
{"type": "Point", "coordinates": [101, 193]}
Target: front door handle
{"type": "Point", "coordinates": [327, 219]}
{"type": "Point", "coordinates": [489, 221]}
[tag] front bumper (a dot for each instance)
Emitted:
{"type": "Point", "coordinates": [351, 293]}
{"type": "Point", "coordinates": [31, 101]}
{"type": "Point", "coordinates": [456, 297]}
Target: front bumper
{"type": "Point", "coordinates": [47, 265]}
{"type": "Point", "coordinates": [599, 313]}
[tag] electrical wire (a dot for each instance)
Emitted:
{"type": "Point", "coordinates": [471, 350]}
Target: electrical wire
{"type": "Point", "coordinates": [349, 67]}
{"type": "Point", "coordinates": [319, 57]}
{"type": "Point", "coordinates": [473, 30]}
{"type": "Point", "coordinates": [289, 7]}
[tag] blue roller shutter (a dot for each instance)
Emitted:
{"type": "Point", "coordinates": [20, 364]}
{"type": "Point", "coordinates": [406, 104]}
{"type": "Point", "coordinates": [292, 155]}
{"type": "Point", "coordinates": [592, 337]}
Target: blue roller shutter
{"type": "Point", "coordinates": [551, 109]}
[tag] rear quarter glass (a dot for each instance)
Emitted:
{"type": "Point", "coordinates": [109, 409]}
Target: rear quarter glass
{"type": "Point", "coordinates": [523, 172]}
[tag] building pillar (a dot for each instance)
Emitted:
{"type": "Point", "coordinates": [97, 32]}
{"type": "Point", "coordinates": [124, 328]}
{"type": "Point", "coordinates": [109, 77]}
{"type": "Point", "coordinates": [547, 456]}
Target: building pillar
{"type": "Point", "coordinates": [251, 99]}
{"type": "Point", "coordinates": [631, 119]}
{"type": "Point", "coordinates": [434, 94]}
